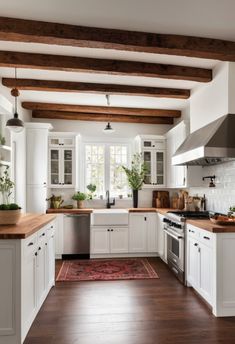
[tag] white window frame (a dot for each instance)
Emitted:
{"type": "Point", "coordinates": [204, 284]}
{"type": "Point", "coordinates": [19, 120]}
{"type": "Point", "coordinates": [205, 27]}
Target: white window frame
{"type": "Point", "coordinates": [106, 142]}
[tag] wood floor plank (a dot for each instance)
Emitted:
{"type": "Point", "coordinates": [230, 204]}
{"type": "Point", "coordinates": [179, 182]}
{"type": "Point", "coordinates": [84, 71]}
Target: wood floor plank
{"type": "Point", "coordinates": [156, 311]}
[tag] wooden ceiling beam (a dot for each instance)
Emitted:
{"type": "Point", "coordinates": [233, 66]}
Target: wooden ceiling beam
{"type": "Point", "coordinates": [103, 110]}
{"type": "Point", "coordinates": [83, 87]}
{"type": "Point", "coordinates": [20, 30]}
{"type": "Point", "coordinates": [77, 116]}
{"type": "Point", "coordinates": [102, 66]}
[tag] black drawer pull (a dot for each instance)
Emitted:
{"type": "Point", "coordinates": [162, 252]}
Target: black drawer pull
{"type": "Point", "coordinates": [30, 244]}
{"type": "Point", "coordinates": [195, 244]}
{"type": "Point", "coordinates": [190, 230]}
{"type": "Point", "coordinates": [39, 249]}
{"type": "Point", "coordinates": [35, 253]}
{"type": "Point", "coordinates": [207, 238]}
{"type": "Point", "coordinates": [43, 234]}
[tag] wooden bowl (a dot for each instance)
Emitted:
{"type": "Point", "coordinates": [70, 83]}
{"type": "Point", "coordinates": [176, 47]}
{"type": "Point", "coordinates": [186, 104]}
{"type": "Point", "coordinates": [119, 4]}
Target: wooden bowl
{"type": "Point", "coordinates": [10, 217]}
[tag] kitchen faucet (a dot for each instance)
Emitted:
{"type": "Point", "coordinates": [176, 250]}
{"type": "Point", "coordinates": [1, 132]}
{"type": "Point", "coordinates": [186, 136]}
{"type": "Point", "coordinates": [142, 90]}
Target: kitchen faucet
{"type": "Point", "coordinates": [108, 203]}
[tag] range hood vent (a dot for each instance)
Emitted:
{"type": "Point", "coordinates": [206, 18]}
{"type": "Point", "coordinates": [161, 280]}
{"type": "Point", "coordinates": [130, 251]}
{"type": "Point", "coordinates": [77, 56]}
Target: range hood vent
{"type": "Point", "coordinates": [210, 145]}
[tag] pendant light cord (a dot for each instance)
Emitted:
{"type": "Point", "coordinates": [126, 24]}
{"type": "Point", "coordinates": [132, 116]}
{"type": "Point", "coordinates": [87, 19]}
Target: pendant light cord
{"type": "Point", "coordinates": [15, 114]}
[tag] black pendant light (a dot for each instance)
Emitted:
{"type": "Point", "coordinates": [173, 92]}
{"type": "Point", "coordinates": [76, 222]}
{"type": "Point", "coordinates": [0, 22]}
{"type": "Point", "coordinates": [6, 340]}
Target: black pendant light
{"type": "Point", "coordinates": [15, 124]}
{"type": "Point", "coordinates": [108, 129]}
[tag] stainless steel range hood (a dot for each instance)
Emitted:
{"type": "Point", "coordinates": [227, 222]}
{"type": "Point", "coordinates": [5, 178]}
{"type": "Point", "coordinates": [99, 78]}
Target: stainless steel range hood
{"type": "Point", "coordinates": [210, 145]}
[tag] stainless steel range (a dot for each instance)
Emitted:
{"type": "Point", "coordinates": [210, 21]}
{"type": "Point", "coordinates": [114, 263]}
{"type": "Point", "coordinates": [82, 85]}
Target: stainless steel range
{"type": "Point", "coordinates": [174, 227]}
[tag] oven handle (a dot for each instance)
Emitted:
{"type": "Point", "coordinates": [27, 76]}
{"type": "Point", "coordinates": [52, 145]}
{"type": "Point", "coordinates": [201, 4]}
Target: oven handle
{"type": "Point", "coordinates": [173, 235]}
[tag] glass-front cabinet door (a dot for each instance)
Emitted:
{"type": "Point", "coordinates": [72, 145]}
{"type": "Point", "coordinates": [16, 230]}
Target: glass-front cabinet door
{"type": "Point", "coordinates": [160, 170]}
{"type": "Point", "coordinates": [54, 176]}
{"type": "Point", "coordinates": [61, 172]}
{"type": "Point", "coordinates": [147, 156]}
{"type": "Point", "coordinates": [67, 166]}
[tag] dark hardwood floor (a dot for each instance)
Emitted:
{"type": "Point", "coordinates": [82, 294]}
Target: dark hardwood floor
{"type": "Point", "coordinates": [155, 311]}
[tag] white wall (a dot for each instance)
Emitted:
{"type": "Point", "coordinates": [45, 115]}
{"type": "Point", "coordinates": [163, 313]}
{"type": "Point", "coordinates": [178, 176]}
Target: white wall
{"type": "Point", "coordinates": [210, 101]}
{"type": "Point", "coordinates": [95, 129]}
{"type": "Point", "coordinates": [222, 196]}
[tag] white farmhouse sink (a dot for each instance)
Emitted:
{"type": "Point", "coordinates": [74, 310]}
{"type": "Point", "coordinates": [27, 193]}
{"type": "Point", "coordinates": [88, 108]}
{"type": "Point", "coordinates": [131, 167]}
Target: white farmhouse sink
{"type": "Point", "coordinates": [109, 217]}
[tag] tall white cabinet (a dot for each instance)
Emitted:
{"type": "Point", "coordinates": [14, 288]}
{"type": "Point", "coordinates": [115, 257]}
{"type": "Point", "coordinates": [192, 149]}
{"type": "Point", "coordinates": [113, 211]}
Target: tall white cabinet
{"type": "Point", "coordinates": [180, 176]}
{"type": "Point", "coordinates": [36, 166]}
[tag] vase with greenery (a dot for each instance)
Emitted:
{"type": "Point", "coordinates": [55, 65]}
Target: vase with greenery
{"type": "Point", "coordinates": [9, 212]}
{"type": "Point", "coordinates": [92, 189]}
{"type": "Point", "coordinates": [80, 197]}
{"type": "Point", "coordinates": [135, 175]}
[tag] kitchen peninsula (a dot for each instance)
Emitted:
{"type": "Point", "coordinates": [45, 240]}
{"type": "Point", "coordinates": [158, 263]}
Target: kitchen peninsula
{"type": "Point", "coordinates": [27, 270]}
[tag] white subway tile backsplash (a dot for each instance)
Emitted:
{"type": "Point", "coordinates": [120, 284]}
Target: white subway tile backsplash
{"type": "Point", "coordinates": [222, 196]}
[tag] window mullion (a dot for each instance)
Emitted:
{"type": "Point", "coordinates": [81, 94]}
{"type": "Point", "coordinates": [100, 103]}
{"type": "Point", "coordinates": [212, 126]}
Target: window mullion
{"type": "Point", "coordinates": [107, 167]}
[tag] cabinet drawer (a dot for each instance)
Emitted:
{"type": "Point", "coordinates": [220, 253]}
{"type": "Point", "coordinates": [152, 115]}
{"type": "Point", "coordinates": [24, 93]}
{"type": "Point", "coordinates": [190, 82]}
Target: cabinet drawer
{"type": "Point", "coordinates": [193, 232]}
{"type": "Point", "coordinates": [206, 237]}
{"type": "Point", "coordinates": [30, 243]}
{"type": "Point", "coordinates": [42, 234]}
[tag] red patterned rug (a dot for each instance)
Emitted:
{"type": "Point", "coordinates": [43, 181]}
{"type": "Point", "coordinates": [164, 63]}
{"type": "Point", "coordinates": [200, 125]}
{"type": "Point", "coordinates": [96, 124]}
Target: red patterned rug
{"type": "Point", "coordinates": [106, 270]}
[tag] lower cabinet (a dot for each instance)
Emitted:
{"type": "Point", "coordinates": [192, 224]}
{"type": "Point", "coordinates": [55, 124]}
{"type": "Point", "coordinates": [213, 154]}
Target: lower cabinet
{"type": "Point", "coordinates": [199, 262]}
{"type": "Point", "coordinates": [161, 238]}
{"type": "Point", "coordinates": [38, 273]}
{"type": "Point", "coordinates": [143, 233]}
{"type": "Point", "coordinates": [106, 240]}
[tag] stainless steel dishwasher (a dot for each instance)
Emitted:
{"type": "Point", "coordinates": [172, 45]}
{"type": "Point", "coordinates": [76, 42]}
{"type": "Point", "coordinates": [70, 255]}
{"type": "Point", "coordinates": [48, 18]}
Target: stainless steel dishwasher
{"type": "Point", "coordinates": [76, 236]}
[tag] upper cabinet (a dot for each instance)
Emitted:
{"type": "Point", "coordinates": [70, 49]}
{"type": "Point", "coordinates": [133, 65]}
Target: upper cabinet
{"type": "Point", "coordinates": [180, 176]}
{"type": "Point", "coordinates": [153, 149]}
{"type": "Point", "coordinates": [62, 161]}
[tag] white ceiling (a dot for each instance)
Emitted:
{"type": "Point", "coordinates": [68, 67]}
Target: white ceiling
{"type": "Point", "coordinates": [206, 18]}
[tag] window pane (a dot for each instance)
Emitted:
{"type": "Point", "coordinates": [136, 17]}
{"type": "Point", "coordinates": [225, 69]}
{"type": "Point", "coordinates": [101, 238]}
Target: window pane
{"type": "Point", "coordinates": [118, 179]}
{"type": "Point", "coordinates": [94, 172]}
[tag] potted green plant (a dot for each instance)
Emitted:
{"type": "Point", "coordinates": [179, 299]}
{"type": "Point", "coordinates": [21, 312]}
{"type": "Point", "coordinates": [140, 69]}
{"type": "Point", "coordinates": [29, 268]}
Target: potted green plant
{"type": "Point", "coordinates": [9, 212]}
{"type": "Point", "coordinates": [136, 175]}
{"type": "Point", "coordinates": [80, 197]}
{"type": "Point", "coordinates": [92, 189]}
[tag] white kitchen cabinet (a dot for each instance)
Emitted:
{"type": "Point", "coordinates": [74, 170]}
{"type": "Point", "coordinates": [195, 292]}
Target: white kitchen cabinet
{"type": "Point", "coordinates": [109, 240]}
{"type": "Point", "coordinates": [61, 167]}
{"type": "Point", "coordinates": [62, 139]}
{"type": "Point", "coordinates": [100, 240]}
{"type": "Point", "coordinates": [36, 196]}
{"type": "Point", "coordinates": [119, 240]}
{"type": "Point", "coordinates": [50, 255]}
{"type": "Point", "coordinates": [138, 232]}
{"type": "Point", "coordinates": [59, 236]}
{"type": "Point", "coordinates": [180, 176]}
{"type": "Point", "coordinates": [36, 166]}
{"type": "Point", "coordinates": [41, 272]}
{"type": "Point", "coordinates": [161, 238]}
{"type": "Point", "coordinates": [199, 262]}
{"type": "Point", "coordinates": [153, 149]}
{"type": "Point", "coordinates": [143, 232]}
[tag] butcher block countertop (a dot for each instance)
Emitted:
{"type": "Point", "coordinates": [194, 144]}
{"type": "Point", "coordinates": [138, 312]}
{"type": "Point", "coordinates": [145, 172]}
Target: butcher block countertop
{"type": "Point", "coordinates": [211, 227]}
{"type": "Point", "coordinates": [205, 224]}
{"type": "Point", "coordinates": [28, 224]}
{"type": "Point", "coordinates": [69, 211]}
{"type": "Point", "coordinates": [142, 210]}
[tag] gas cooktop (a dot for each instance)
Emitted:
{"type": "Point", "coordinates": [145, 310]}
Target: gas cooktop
{"type": "Point", "coordinates": [191, 214]}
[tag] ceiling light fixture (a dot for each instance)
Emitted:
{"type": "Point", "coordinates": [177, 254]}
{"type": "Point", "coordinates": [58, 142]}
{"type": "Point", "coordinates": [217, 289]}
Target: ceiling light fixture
{"type": "Point", "coordinates": [108, 129]}
{"type": "Point", "coordinates": [15, 124]}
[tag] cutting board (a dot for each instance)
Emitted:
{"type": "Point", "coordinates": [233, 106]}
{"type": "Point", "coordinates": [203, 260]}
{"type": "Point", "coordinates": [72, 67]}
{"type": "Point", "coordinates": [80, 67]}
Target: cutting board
{"type": "Point", "coordinates": [161, 199]}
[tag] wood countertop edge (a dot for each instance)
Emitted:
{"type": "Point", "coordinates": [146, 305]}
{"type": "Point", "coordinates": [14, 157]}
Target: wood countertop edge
{"type": "Point", "coordinates": [69, 211]}
{"type": "Point", "coordinates": [10, 231]}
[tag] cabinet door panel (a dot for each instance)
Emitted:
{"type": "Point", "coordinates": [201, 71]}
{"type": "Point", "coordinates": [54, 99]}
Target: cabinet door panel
{"type": "Point", "coordinates": [138, 233]}
{"type": "Point", "coordinates": [41, 273]}
{"type": "Point", "coordinates": [100, 240]}
{"type": "Point", "coordinates": [37, 156]}
{"type": "Point", "coordinates": [148, 159]}
{"type": "Point", "coordinates": [192, 262]}
{"type": "Point", "coordinates": [205, 278]}
{"type": "Point", "coordinates": [51, 260]}
{"type": "Point", "coordinates": [29, 290]}
{"type": "Point", "coordinates": [119, 240]}
{"type": "Point", "coordinates": [152, 232]}
{"type": "Point", "coordinates": [54, 167]}
{"type": "Point", "coordinates": [67, 170]}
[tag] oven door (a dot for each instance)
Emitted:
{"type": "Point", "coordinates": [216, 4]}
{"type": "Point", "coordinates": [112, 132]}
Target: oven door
{"type": "Point", "coordinates": [175, 248]}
